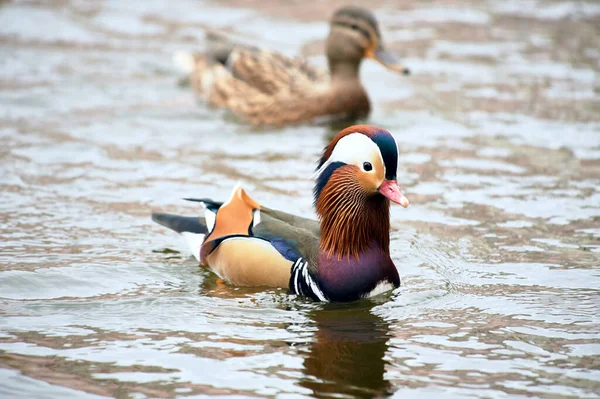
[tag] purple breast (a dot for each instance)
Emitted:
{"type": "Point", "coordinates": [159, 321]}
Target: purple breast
{"type": "Point", "coordinates": [348, 279]}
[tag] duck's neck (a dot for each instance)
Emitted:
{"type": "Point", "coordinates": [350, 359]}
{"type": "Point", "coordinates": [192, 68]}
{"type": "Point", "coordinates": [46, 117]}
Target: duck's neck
{"type": "Point", "coordinates": [352, 223]}
{"type": "Point", "coordinates": [346, 97]}
{"type": "Point", "coordinates": [344, 71]}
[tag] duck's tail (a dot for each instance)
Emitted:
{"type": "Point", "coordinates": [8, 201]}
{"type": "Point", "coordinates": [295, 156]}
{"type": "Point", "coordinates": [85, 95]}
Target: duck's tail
{"type": "Point", "coordinates": [181, 224]}
{"type": "Point", "coordinates": [237, 217]}
{"type": "Point", "coordinates": [218, 49]}
{"type": "Point", "coordinates": [185, 61]}
{"type": "Point", "coordinates": [193, 229]}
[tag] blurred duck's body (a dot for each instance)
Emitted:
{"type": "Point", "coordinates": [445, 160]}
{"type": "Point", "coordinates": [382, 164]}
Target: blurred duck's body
{"type": "Point", "coordinates": [267, 88]}
{"type": "Point", "coordinates": [343, 257]}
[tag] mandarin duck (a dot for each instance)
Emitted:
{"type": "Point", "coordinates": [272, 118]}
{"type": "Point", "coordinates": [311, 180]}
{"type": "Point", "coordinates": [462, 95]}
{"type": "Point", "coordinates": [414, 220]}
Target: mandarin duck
{"type": "Point", "coordinates": [267, 88]}
{"type": "Point", "coordinates": [342, 257]}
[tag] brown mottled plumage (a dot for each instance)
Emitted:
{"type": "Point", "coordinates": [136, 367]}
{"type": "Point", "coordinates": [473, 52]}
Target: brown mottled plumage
{"type": "Point", "coordinates": [267, 88]}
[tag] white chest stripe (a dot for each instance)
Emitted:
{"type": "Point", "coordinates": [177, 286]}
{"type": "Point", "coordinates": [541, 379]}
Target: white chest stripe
{"type": "Point", "coordinates": [296, 288]}
{"type": "Point", "coordinates": [312, 284]}
{"type": "Point", "coordinates": [302, 281]}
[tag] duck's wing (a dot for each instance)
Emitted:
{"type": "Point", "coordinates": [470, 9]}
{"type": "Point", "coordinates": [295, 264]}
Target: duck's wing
{"type": "Point", "coordinates": [263, 91]}
{"type": "Point", "coordinates": [310, 225]}
{"type": "Point", "coordinates": [259, 109]}
{"type": "Point", "coordinates": [281, 109]}
{"type": "Point", "coordinates": [266, 88]}
{"type": "Point", "coordinates": [265, 71]}
{"type": "Point", "coordinates": [271, 73]}
{"type": "Point", "coordinates": [245, 246]}
{"type": "Point", "coordinates": [294, 236]}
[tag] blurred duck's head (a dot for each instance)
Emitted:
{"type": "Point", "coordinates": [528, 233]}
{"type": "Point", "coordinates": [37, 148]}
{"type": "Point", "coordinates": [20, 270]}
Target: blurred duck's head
{"type": "Point", "coordinates": [355, 35]}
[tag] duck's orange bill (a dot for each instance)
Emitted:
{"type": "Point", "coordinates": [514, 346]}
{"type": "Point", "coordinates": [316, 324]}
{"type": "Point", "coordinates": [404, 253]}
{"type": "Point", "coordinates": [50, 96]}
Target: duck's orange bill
{"type": "Point", "coordinates": [390, 190]}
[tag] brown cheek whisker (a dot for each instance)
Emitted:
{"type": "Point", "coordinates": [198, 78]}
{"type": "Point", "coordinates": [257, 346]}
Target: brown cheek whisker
{"type": "Point", "coordinates": [344, 202]}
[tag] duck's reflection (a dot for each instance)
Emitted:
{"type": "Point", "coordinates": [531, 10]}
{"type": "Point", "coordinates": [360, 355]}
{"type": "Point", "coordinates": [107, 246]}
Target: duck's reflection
{"type": "Point", "coordinates": [347, 355]}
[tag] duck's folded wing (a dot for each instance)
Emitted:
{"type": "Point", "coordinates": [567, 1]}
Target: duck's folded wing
{"type": "Point", "coordinates": [248, 244]}
{"type": "Point", "coordinates": [291, 235]}
{"type": "Point", "coordinates": [267, 71]}
{"type": "Point", "coordinates": [311, 225]}
{"type": "Point", "coordinates": [273, 73]}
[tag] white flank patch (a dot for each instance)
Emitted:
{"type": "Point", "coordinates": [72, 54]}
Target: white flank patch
{"type": "Point", "coordinates": [184, 60]}
{"type": "Point", "coordinates": [194, 242]}
{"type": "Point", "coordinates": [379, 289]}
{"type": "Point", "coordinates": [210, 217]}
{"type": "Point", "coordinates": [256, 218]}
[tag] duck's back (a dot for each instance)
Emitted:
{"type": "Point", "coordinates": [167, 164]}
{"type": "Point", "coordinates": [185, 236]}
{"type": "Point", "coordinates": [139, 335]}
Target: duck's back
{"type": "Point", "coordinates": [273, 73]}
{"type": "Point", "coordinates": [266, 71]}
{"type": "Point", "coordinates": [265, 87]}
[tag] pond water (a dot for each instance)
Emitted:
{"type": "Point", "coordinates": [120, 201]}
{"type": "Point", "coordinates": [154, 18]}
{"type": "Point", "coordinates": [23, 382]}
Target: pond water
{"type": "Point", "coordinates": [499, 252]}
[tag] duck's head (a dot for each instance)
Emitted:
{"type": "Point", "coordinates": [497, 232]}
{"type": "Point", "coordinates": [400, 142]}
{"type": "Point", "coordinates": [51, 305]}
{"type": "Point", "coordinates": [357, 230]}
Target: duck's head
{"type": "Point", "coordinates": [354, 35]}
{"type": "Point", "coordinates": [356, 180]}
{"type": "Point", "coordinates": [361, 160]}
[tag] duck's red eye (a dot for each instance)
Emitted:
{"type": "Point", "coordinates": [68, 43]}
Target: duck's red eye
{"type": "Point", "coordinates": [367, 166]}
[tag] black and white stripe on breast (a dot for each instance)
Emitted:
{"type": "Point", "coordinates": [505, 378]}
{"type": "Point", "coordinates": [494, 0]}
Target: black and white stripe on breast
{"type": "Point", "coordinates": [303, 283]}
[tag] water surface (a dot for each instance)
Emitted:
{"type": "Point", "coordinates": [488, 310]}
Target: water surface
{"type": "Point", "coordinates": [499, 252]}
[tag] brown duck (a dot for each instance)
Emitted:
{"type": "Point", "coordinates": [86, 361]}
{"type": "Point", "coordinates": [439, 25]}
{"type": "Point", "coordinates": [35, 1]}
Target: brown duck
{"type": "Point", "coordinates": [267, 88]}
{"type": "Point", "coordinates": [342, 257]}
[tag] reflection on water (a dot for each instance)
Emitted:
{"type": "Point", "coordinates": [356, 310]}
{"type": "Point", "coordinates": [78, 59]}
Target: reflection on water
{"type": "Point", "coordinates": [499, 252]}
{"type": "Point", "coordinates": [347, 355]}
